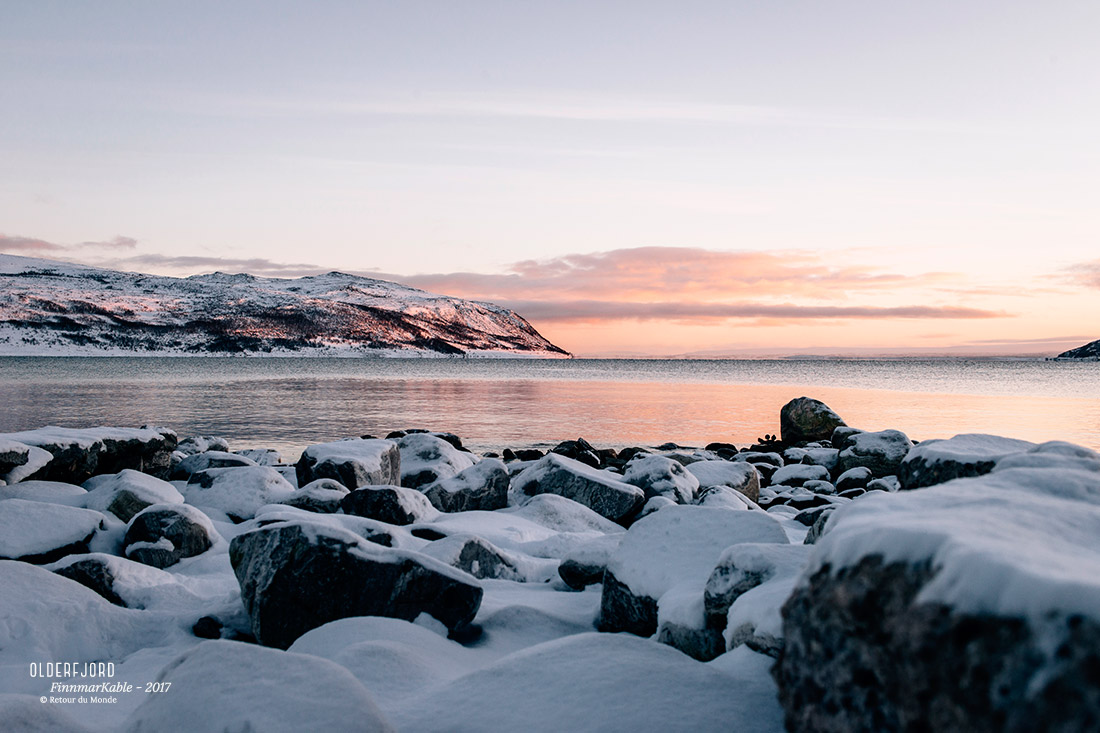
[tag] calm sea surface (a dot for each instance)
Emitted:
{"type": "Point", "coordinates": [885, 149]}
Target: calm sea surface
{"type": "Point", "coordinates": [290, 403]}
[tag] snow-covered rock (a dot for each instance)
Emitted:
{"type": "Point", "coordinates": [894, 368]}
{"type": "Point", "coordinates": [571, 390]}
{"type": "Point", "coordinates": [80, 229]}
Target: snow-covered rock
{"type": "Point", "coordinates": [239, 492]}
{"type": "Point", "coordinates": [739, 475]}
{"type": "Point", "coordinates": [391, 504]}
{"type": "Point", "coordinates": [881, 452]}
{"type": "Point", "coordinates": [725, 497]}
{"type": "Point", "coordinates": [798, 474]}
{"type": "Point", "coordinates": [39, 532]}
{"type": "Point", "coordinates": [163, 534]}
{"type": "Point", "coordinates": [354, 463]}
{"type": "Point", "coordinates": [482, 486]}
{"type": "Point", "coordinates": [35, 460]}
{"type": "Point", "coordinates": [230, 686]}
{"type": "Point", "coordinates": [209, 459]}
{"type": "Point", "coordinates": [261, 456]}
{"type": "Point", "coordinates": [426, 459]}
{"type": "Point", "coordinates": [938, 461]}
{"type": "Point", "coordinates": [12, 455]}
{"type": "Point", "coordinates": [51, 492]}
{"type": "Point", "coordinates": [982, 595]}
{"type": "Point", "coordinates": [476, 556]}
{"type": "Point", "coordinates": [584, 566]}
{"type": "Point", "coordinates": [322, 496]}
{"type": "Point", "coordinates": [677, 545]}
{"type": "Point", "coordinates": [661, 476]}
{"type": "Point", "coordinates": [201, 444]}
{"type": "Point", "coordinates": [805, 419]}
{"type": "Point", "coordinates": [854, 478]}
{"type": "Point", "coordinates": [127, 492]}
{"type": "Point", "coordinates": [79, 454]}
{"type": "Point", "coordinates": [296, 576]}
{"type": "Point", "coordinates": [597, 490]}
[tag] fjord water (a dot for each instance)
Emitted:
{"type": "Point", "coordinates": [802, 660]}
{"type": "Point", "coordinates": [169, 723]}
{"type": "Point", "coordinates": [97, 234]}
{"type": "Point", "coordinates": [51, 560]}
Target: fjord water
{"type": "Point", "coordinates": [288, 403]}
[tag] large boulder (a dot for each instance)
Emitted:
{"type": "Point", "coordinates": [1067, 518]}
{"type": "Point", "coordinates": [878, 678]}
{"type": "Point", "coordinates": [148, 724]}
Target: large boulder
{"type": "Point", "coordinates": [661, 476]}
{"type": "Point", "coordinates": [971, 454]}
{"type": "Point", "coordinates": [79, 454]}
{"type": "Point", "coordinates": [163, 534]}
{"type": "Point", "coordinates": [127, 492]}
{"type": "Point", "coordinates": [39, 532]}
{"type": "Point", "coordinates": [426, 459]}
{"type": "Point", "coordinates": [881, 452]}
{"type": "Point", "coordinates": [969, 606]}
{"type": "Point", "coordinates": [483, 486]}
{"type": "Point", "coordinates": [296, 576]}
{"type": "Point", "coordinates": [230, 686]}
{"type": "Point", "coordinates": [390, 504]}
{"type": "Point", "coordinates": [674, 546]}
{"type": "Point", "coordinates": [354, 463]}
{"type": "Point", "coordinates": [805, 420]}
{"type": "Point", "coordinates": [239, 492]}
{"type": "Point", "coordinates": [599, 491]}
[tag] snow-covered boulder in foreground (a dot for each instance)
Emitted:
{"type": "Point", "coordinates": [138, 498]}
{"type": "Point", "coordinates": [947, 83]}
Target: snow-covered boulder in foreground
{"type": "Point", "coordinates": [805, 419]}
{"type": "Point", "coordinates": [230, 686]}
{"type": "Point", "coordinates": [296, 576]}
{"type": "Point", "coordinates": [969, 606]}
{"type": "Point", "coordinates": [674, 546]}
{"type": "Point", "coordinates": [354, 463]}
{"type": "Point", "coordinates": [971, 454]}
{"type": "Point", "coordinates": [163, 534]}
{"type": "Point", "coordinates": [127, 492]}
{"type": "Point", "coordinates": [746, 591]}
{"type": "Point", "coordinates": [79, 454]}
{"type": "Point", "coordinates": [661, 476]}
{"type": "Point", "coordinates": [391, 504]}
{"type": "Point", "coordinates": [38, 532]}
{"type": "Point", "coordinates": [739, 475]}
{"type": "Point", "coordinates": [426, 458]}
{"type": "Point", "coordinates": [597, 682]}
{"type": "Point", "coordinates": [881, 452]}
{"type": "Point", "coordinates": [239, 492]}
{"type": "Point", "coordinates": [599, 491]}
{"type": "Point", "coordinates": [482, 486]}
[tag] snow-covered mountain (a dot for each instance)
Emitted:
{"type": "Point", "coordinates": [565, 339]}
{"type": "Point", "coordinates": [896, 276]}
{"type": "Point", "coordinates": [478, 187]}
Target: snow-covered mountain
{"type": "Point", "coordinates": [1088, 352]}
{"type": "Point", "coordinates": [49, 307]}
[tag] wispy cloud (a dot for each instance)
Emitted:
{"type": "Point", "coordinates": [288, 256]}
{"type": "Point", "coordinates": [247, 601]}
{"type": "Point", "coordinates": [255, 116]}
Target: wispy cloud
{"type": "Point", "coordinates": [15, 244]}
{"type": "Point", "coordinates": [1083, 273]}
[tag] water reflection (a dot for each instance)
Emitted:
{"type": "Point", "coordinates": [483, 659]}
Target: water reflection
{"type": "Point", "coordinates": [258, 405]}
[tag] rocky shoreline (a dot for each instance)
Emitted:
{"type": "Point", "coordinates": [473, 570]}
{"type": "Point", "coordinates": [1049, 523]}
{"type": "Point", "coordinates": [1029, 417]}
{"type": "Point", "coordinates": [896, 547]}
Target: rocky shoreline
{"type": "Point", "coordinates": [851, 579]}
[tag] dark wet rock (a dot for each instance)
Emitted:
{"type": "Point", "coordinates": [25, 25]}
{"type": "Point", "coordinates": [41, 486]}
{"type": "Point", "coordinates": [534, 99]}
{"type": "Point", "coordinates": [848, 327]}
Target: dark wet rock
{"type": "Point", "coordinates": [354, 463]}
{"type": "Point", "coordinates": [391, 504]}
{"type": "Point", "coordinates": [164, 534]}
{"type": "Point", "coordinates": [529, 454]}
{"type": "Point", "coordinates": [207, 627]}
{"type": "Point", "coordinates": [40, 532]}
{"type": "Point", "coordinates": [578, 450]}
{"type": "Point", "coordinates": [600, 492]}
{"type": "Point", "coordinates": [698, 643]}
{"type": "Point", "coordinates": [805, 419]}
{"type": "Point", "coordinates": [839, 439]}
{"type": "Point", "coordinates": [295, 577]}
{"type": "Point", "coordinates": [483, 486]}
{"type": "Point", "coordinates": [881, 452]}
{"type": "Point", "coordinates": [938, 461]}
{"type": "Point", "coordinates": [820, 524]}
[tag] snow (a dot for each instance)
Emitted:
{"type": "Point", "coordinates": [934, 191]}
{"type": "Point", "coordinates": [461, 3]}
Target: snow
{"type": "Point", "coordinates": [683, 543]}
{"type": "Point", "coordinates": [103, 489]}
{"type": "Point", "coordinates": [239, 491]}
{"type": "Point", "coordinates": [471, 478]}
{"type": "Point", "coordinates": [215, 686]}
{"type": "Point", "coordinates": [425, 452]}
{"type": "Point", "coordinates": [1018, 542]}
{"type": "Point", "coordinates": [605, 682]}
{"type": "Point", "coordinates": [83, 437]}
{"type": "Point", "coordinates": [53, 492]}
{"type": "Point", "coordinates": [967, 448]}
{"type": "Point", "coordinates": [34, 527]}
{"type": "Point", "coordinates": [26, 714]}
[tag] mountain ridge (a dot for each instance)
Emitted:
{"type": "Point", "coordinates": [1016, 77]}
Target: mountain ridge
{"type": "Point", "coordinates": [1088, 352]}
{"type": "Point", "coordinates": [49, 307]}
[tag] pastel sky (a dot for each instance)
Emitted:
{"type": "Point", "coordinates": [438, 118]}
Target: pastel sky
{"type": "Point", "coordinates": [634, 177]}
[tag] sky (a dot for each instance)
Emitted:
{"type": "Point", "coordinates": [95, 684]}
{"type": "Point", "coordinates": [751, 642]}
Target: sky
{"type": "Point", "coordinates": [635, 178]}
